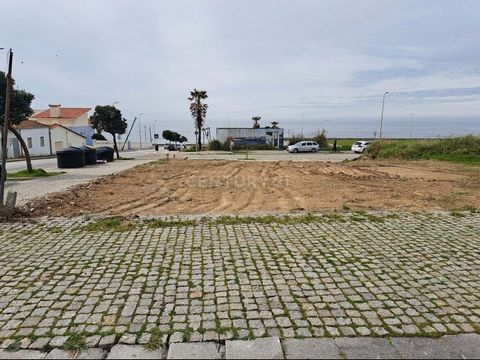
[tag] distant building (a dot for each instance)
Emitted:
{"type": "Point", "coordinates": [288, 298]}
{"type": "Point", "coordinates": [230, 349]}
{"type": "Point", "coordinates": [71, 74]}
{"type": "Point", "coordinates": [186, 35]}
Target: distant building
{"type": "Point", "coordinates": [249, 136]}
{"type": "Point", "coordinates": [41, 139]}
{"type": "Point", "coordinates": [75, 119]}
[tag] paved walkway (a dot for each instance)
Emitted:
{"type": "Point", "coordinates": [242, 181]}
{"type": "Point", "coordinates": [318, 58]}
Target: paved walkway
{"type": "Point", "coordinates": [222, 278]}
{"type": "Point", "coordinates": [447, 347]}
{"type": "Point", "coordinates": [28, 189]}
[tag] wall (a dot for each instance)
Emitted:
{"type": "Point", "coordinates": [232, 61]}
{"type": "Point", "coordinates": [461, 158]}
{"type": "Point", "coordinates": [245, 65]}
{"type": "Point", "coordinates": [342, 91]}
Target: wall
{"type": "Point", "coordinates": [63, 138]}
{"type": "Point", "coordinates": [37, 149]}
{"type": "Point", "coordinates": [252, 136]}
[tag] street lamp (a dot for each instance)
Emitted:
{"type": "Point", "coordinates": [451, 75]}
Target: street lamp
{"type": "Point", "coordinates": [116, 102]}
{"type": "Point", "coordinates": [140, 129]}
{"type": "Point", "coordinates": [381, 119]}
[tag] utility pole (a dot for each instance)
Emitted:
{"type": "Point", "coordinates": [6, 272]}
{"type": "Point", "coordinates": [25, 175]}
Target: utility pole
{"type": "Point", "coordinates": [150, 131]}
{"type": "Point", "coordinates": [145, 132]}
{"type": "Point", "coordinates": [131, 128]}
{"type": "Point", "coordinates": [381, 119]}
{"type": "Point", "coordinates": [8, 94]}
{"type": "Point", "coordinates": [140, 130]}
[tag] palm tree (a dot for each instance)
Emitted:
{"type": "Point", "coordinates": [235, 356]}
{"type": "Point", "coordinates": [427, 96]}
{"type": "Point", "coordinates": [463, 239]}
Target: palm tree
{"type": "Point", "coordinates": [198, 111]}
{"type": "Point", "coordinates": [274, 124]}
{"type": "Point", "coordinates": [256, 119]}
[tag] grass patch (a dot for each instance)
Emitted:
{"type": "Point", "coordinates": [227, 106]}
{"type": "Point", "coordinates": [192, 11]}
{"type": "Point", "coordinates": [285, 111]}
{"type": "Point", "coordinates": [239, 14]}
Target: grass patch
{"type": "Point", "coordinates": [55, 229]}
{"type": "Point", "coordinates": [126, 158]}
{"type": "Point", "coordinates": [35, 173]}
{"type": "Point", "coordinates": [14, 346]}
{"type": "Point", "coordinates": [75, 342]}
{"type": "Point", "coordinates": [155, 341]}
{"type": "Point", "coordinates": [158, 223]}
{"type": "Point", "coordinates": [465, 149]}
{"type": "Point", "coordinates": [111, 224]}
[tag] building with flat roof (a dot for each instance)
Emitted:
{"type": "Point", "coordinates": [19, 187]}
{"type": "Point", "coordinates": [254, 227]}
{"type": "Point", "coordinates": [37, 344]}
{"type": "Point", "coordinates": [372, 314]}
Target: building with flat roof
{"type": "Point", "coordinates": [252, 136]}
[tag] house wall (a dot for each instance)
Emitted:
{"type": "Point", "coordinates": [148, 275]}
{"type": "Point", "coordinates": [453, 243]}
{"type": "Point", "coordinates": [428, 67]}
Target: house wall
{"type": "Point", "coordinates": [13, 147]}
{"type": "Point", "coordinates": [36, 148]}
{"type": "Point", "coordinates": [252, 136]}
{"type": "Point", "coordinates": [63, 138]}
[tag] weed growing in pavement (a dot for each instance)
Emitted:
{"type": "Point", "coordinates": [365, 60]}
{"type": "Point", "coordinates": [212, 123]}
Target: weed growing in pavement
{"type": "Point", "coordinates": [155, 342]}
{"type": "Point", "coordinates": [75, 342]}
{"type": "Point", "coordinates": [110, 224]}
{"type": "Point", "coordinates": [14, 346]}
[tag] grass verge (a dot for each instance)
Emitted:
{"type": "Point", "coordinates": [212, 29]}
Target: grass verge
{"type": "Point", "coordinates": [33, 174]}
{"type": "Point", "coordinates": [465, 149]}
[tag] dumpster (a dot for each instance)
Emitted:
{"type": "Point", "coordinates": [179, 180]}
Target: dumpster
{"type": "Point", "coordinates": [90, 155]}
{"type": "Point", "coordinates": [72, 157]}
{"type": "Point", "coordinates": [105, 153]}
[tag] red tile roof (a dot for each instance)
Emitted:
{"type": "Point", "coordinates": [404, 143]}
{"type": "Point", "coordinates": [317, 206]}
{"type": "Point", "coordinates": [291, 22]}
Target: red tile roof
{"type": "Point", "coordinates": [65, 113]}
{"type": "Point", "coordinates": [30, 124]}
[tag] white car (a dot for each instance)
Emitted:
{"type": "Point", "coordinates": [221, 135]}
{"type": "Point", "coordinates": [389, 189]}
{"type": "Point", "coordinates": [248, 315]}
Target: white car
{"type": "Point", "coordinates": [304, 146]}
{"type": "Point", "coordinates": [360, 146]}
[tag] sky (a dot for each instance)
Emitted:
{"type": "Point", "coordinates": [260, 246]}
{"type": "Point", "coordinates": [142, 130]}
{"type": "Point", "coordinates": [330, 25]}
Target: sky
{"type": "Point", "coordinates": [331, 61]}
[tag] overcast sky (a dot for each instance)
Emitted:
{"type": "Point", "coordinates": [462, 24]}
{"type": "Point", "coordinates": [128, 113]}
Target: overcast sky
{"type": "Point", "coordinates": [276, 59]}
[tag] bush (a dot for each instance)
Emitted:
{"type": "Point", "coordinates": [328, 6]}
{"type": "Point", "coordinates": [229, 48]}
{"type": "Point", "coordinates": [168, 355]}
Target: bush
{"type": "Point", "coordinates": [320, 137]}
{"type": "Point", "coordinates": [459, 149]}
{"type": "Point", "coordinates": [215, 145]}
{"type": "Point", "coordinates": [98, 136]}
{"type": "Point", "coordinates": [295, 138]}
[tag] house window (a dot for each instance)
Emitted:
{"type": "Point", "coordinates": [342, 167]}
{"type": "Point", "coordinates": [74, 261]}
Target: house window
{"type": "Point", "coordinates": [29, 142]}
{"type": "Point", "coordinates": [42, 141]}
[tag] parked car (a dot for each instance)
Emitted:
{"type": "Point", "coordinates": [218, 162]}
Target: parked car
{"type": "Point", "coordinates": [304, 146]}
{"type": "Point", "coordinates": [360, 146]}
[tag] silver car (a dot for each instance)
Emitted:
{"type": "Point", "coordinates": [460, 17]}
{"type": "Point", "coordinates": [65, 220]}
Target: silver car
{"type": "Point", "coordinates": [304, 146]}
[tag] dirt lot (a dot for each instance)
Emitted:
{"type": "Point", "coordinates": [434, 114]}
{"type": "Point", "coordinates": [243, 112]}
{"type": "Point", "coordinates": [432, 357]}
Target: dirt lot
{"type": "Point", "coordinates": [202, 187]}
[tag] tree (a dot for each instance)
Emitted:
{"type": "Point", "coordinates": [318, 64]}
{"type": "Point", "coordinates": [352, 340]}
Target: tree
{"type": "Point", "coordinates": [167, 135]}
{"type": "Point", "coordinates": [20, 110]}
{"type": "Point", "coordinates": [183, 139]}
{"type": "Point", "coordinates": [98, 136]}
{"type": "Point", "coordinates": [274, 124]}
{"type": "Point", "coordinates": [198, 111]}
{"type": "Point", "coordinates": [109, 119]}
{"type": "Point", "coordinates": [256, 119]}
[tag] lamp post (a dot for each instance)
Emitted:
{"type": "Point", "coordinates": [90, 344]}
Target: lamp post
{"type": "Point", "coordinates": [381, 119]}
{"type": "Point", "coordinates": [140, 130]}
{"type": "Point", "coordinates": [116, 102]}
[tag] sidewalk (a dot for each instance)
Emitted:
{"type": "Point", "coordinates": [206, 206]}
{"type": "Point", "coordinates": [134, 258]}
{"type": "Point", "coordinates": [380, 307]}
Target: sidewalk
{"type": "Point", "coordinates": [447, 347]}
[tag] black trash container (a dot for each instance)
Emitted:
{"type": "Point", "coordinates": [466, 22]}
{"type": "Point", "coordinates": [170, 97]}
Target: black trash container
{"type": "Point", "coordinates": [72, 157]}
{"type": "Point", "coordinates": [90, 155]}
{"type": "Point", "coordinates": [105, 153]}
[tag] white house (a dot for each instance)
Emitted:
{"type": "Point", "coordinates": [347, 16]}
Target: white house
{"type": "Point", "coordinates": [36, 136]}
{"type": "Point", "coordinates": [75, 119]}
{"type": "Point", "coordinates": [42, 140]}
{"type": "Point", "coordinates": [62, 137]}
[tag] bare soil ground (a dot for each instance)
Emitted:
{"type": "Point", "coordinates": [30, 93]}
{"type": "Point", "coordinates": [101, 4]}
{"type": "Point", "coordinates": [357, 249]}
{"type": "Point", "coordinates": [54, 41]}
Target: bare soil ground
{"type": "Point", "coordinates": [207, 187]}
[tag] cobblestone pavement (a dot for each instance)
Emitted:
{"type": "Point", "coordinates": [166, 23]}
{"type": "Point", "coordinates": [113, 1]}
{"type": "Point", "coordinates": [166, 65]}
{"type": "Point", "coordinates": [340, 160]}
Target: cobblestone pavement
{"type": "Point", "coordinates": [95, 283]}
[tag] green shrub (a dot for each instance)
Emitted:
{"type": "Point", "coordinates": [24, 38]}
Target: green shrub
{"type": "Point", "coordinates": [321, 139]}
{"type": "Point", "coordinates": [295, 138]}
{"type": "Point", "coordinates": [215, 145]}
